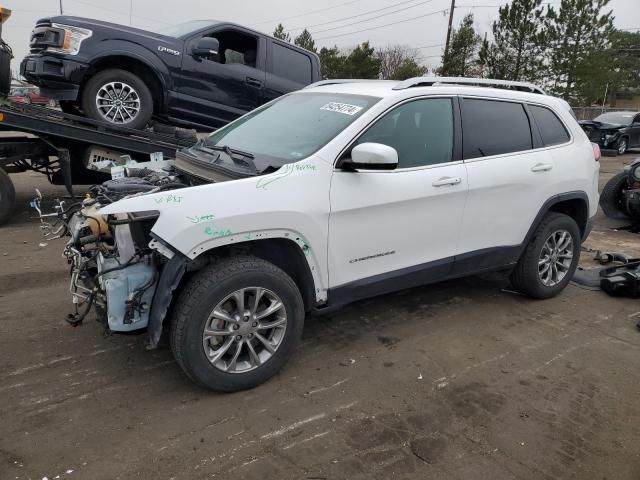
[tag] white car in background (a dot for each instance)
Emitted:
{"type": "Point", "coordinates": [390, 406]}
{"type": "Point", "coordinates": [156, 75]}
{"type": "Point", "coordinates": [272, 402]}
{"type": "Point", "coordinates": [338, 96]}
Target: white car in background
{"type": "Point", "coordinates": [342, 191]}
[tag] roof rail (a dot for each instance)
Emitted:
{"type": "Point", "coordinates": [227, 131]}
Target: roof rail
{"type": "Point", "coordinates": [341, 80]}
{"type": "Point", "coordinates": [488, 82]}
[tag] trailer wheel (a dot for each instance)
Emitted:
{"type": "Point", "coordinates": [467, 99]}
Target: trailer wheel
{"type": "Point", "coordinates": [7, 196]}
{"type": "Point", "coordinates": [118, 97]}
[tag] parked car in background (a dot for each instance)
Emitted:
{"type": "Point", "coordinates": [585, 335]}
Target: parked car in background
{"type": "Point", "coordinates": [200, 74]}
{"type": "Point", "coordinates": [618, 131]}
{"type": "Point", "coordinates": [29, 95]}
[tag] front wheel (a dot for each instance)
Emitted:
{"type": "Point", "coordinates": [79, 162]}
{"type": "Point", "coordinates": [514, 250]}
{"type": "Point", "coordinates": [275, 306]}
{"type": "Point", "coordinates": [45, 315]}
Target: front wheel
{"type": "Point", "coordinates": [7, 196]}
{"type": "Point", "coordinates": [622, 146]}
{"type": "Point", "coordinates": [550, 259]}
{"type": "Point", "coordinates": [236, 323]}
{"type": "Point", "coordinates": [118, 97]}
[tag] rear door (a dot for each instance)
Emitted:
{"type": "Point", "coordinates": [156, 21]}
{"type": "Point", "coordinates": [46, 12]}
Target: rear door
{"type": "Point", "coordinates": [288, 70]}
{"type": "Point", "coordinates": [214, 91]}
{"type": "Point", "coordinates": [510, 177]}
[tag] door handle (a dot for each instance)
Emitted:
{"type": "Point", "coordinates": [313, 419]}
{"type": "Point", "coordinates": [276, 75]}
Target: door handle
{"type": "Point", "coordinates": [541, 167]}
{"type": "Point", "coordinates": [441, 182]}
{"type": "Point", "coordinates": [253, 82]}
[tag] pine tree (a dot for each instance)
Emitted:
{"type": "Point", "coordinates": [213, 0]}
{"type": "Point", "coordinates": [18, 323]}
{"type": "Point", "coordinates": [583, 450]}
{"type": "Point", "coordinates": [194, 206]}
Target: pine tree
{"type": "Point", "coordinates": [305, 40]}
{"type": "Point", "coordinates": [361, 63]}
{"type": "Point", "coordinates": [281, 34]}
{"type": "Point", "coordinates": [573, 34]}
{"type": "Point", "coordinates": [461, 59]}
{"type": "Point", "coordinates": [515, 51]}
{"type": "Point", "coordinates": [331, 62]}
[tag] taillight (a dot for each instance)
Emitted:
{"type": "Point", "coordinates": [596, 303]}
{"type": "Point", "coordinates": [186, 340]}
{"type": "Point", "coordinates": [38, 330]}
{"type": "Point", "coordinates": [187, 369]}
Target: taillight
{"type": "Point", "coordinates": [596, 152]}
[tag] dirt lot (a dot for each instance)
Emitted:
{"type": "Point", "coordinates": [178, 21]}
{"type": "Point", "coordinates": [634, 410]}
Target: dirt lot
{"type": "Point", "coordinates": [457, 380]}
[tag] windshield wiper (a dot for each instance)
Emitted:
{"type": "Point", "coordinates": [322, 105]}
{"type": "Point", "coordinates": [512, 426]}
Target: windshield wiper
{"type": "Point", "coordinates": [228, 150]}
{"type": "Point", "coordinates": [247, 159]}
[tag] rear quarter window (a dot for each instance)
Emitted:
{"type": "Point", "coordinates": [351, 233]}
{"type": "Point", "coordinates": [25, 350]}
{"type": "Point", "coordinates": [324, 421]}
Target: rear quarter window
{"type": "Point", "coordinates": [493, 127]}
{"type": "Point", "coordinates": [290, 64]}
{"type": "Point", "coordinates": [552, 130]}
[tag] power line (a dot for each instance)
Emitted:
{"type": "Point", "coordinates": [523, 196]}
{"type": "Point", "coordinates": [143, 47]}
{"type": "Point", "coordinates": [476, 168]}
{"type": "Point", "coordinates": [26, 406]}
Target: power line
{"type": "Point", "coordinates": [119, 12]}
{"type": "Point", "coordinates": [281, 19]}
{"type": "Point", "coordinates": [385, 25]}
{"type": "Point", "coordinates": [369, 19]}
{"type": "Point", "coordinates": [430, 46]}
{"type": "Point", "coordinates": [365, 13]}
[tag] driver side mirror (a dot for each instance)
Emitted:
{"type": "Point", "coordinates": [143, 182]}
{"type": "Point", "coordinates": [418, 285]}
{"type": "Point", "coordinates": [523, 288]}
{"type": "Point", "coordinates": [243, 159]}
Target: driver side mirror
{"type": "Point", "coordinates": [206, 47]}
{"type": "Point", "coordinates": [371, 156]}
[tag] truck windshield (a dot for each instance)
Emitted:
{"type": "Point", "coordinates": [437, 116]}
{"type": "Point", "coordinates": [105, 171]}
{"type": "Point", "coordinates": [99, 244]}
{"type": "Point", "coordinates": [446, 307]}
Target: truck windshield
{"type": "Point", "coordinates": [292, 127]}
{"type": "Point", "coordinates": [185, 28]}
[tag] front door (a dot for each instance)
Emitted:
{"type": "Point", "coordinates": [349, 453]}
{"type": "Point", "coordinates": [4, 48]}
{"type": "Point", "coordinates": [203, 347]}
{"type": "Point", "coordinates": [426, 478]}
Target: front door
{"type": "Point", "coordinates": [216, 90]}
{"type": "Point", "coordinates": [393, 229]}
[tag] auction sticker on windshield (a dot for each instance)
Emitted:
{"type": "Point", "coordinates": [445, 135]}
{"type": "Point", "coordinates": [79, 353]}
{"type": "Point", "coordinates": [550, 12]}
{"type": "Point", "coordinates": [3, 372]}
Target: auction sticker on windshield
{"type": "Point", "coordinates": [341, 108]}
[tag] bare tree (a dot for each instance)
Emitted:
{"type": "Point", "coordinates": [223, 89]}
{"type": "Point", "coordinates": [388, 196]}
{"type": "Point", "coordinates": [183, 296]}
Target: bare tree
{"type": "Point", "coordinates": [394, 58]}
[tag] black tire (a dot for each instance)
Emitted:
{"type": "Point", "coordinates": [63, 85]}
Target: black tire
{"type": "Point", "coordinates": [622, 145]}
{"type": "Point", "coordinates": [525, 277]}
{"type": "Point", "coordinates": [7, 196]}
{"type": "Point", "coordinates": [105, 77]}
{"type": "Point", "coordinates": [612, 200]}
{"type": "Point", "coordinates": [203, 292]}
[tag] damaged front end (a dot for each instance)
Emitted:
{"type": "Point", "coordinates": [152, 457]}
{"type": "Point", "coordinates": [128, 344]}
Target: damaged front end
{"type": "Point", "coordinates": [116, 265]}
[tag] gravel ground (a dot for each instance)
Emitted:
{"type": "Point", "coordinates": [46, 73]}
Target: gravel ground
{"type": "Point", "coordinates": [458, 380]}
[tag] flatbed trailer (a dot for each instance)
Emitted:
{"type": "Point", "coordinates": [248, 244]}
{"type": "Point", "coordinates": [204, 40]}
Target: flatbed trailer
{"type": "Point", "coordinates": [62, 145]}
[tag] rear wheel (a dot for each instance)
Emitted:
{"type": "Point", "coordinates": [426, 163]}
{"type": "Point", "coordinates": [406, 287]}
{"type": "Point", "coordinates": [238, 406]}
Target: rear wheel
{"type": "Point", "coordinates": [118, 97]}
{"type": "Point", "coordinates": [550, 259]}
{"type": "Point", "coordinates": [7, 196]}
{"type": "Point", "coordinates": [612, 197]}
{"type": "Point", "coordinates": [236, 323]}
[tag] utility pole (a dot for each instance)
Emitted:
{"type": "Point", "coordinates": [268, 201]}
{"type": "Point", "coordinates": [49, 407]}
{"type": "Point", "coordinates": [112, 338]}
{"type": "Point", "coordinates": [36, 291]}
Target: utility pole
{"type": "Point", "coordinates": [130, 10]}
{"type": "Point", "coordinates": [446, 46]}
{"type": "Point", "coordinates": [61, 11]}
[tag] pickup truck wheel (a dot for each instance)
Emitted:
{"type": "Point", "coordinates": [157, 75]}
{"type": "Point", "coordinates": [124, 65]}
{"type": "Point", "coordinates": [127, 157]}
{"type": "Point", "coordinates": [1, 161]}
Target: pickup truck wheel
{"type": "Point", "coordinates": [612, 198]}
{"type": "Point", "coordinates": [7, 196]}
{"type": "Point", "coordinates": [118, 97]}
{"type": "Point", "coordinates": [235, 323]}
{"type": "Point", "coordinates": [550, 259]}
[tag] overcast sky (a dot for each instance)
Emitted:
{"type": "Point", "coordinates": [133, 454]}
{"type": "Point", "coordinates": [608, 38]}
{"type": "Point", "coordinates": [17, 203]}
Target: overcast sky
{"type": "Point", "coordinates": [417, 23]}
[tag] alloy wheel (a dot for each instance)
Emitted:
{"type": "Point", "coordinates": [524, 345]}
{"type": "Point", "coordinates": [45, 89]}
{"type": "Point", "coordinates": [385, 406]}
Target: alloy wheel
{"type": "Point", "coordinates": [622, 147]}
{"type": "Point", "coordinates": [555, 258]}
{"type": "Point", "coordinates": [118, 102]}
{"type": "Point", "coordinates": [244, 330]}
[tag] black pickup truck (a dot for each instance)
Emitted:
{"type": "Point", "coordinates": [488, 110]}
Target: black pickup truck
{"type": "Point", "coordinates": [201, 74]}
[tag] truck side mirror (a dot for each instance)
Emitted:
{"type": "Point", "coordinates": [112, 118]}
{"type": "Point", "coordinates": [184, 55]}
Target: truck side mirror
{"type": "Point", "coordinates": [206, 47]}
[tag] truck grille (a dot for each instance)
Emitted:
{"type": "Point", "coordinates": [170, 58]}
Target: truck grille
{"type": "Point", "coordinates": [44, 36]}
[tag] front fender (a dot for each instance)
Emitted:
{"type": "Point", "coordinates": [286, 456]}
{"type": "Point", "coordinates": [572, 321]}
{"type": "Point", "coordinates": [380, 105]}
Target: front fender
{"type": "Point", "coordinates": [292, 203]}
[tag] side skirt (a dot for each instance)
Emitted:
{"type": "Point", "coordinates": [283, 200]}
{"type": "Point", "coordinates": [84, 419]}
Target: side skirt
{"type": "Point", "coordinates": [485, 260]}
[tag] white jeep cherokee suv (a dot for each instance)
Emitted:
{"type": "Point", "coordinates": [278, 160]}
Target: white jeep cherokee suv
{"type": "Point", "coordinates": [342, 191]}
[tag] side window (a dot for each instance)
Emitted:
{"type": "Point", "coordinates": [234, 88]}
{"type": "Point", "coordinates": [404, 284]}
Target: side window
{"type": "Point", "coordinates": [290, 64]}
{"type": "Point", "coordinates": [637, 119]}
{"type": "Point", "coordinates": [421, 132]}
{"type": "Point", "coordinates": [237, 47]}
{"type": "Point", "coordinates": [551, 128]}
{"type": "Point", "coordinates": [493, 127]}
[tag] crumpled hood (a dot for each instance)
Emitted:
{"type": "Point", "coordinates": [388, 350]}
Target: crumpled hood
{"type": "Point", "coordinates": [600, 125]}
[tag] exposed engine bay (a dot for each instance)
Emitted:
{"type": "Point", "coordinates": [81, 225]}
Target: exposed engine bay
{"type": "Point", "coordinates": [113, 269]}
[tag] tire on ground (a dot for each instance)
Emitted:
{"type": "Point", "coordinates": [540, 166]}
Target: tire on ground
{"type": "Point", "coordinates": [611, 198]}
{"type": "Point", "coordinates": [7, 196]}
{"type": "Point", "coordinates": [203, 292]}
{"type": "Point", "coordinates": [116, 75]}
{"type": "Point", "coordinates": [525, 277]}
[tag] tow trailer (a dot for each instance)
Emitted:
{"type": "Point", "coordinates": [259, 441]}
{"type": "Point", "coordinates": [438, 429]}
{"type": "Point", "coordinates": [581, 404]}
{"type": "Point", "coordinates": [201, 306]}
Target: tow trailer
{"type": "Point", "coordinates": [65, 147]}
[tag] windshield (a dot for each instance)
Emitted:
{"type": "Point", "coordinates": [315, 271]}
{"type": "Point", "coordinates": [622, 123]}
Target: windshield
{"type": "Point", "coordinates": [185, 28]}
{"type": "Point", "coordinates": [621, 118]}
{"type": "Point", "coordinates": [293, 127]}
